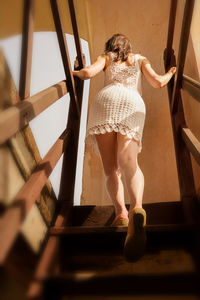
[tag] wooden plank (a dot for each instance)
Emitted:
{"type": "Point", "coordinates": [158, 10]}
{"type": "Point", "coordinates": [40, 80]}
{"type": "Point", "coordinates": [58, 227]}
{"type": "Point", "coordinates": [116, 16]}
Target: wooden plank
{"type": "Point", "coordinates": [11, 220]}
{"type": "Point", "coordinates": [192, 87]}
{"type": "Point", "coordinates": [49, 260]}
{"type": "Point", "coordinates": [128, 285]}
{"type": "Point", "coordinates": [65, 54]}
{"type": "Point", "coordinates": [76, 230]}
{"type": "Point", "coordinates": [76, 33]}
{"type": "Point", "coordinates": [185, 31]}
{"type": "Point", "coordinates": [192, 143]}
{"type": "Point", "coordinates": [45, 267]}
{"type": "Point", "coordinates": [17, 116]}
{"type": "Point", "coordinates": [67, 185]}
{"type": "Point", "coordinates": [184, 164]}
{"type": "Point", "coordinates": [171, 25]}
{"type": "Point", "coordinates": [27, 45]}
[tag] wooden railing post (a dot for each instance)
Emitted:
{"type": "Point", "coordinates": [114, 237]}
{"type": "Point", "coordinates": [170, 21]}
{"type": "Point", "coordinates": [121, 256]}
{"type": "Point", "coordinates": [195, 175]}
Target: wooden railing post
{"type": "Point", "coordinates": [185, 31]}
{"type": "Point", "coordinates": [70, 156]}
{"type": "Point", "coordinates": [65, 56]}
{"type": "Point", "coordinates": [183, 159]}
{"type": "Point", "coordinates": [27, 48]}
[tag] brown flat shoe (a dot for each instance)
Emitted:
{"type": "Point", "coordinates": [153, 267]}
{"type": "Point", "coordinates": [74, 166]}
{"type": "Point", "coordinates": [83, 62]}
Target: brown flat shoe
{"type": "Point", "coordinates": [135, 243]}
{"type": "Point", "coordinates": [119, 221]}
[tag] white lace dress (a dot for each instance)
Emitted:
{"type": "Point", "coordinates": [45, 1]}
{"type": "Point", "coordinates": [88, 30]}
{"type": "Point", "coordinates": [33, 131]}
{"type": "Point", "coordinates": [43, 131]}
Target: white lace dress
{"type": "Point", "coordinates": [118, 106]}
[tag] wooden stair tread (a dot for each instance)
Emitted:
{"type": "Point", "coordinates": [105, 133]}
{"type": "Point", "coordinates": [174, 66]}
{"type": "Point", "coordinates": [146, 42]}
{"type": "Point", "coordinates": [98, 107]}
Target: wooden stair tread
{"type": "Point", "coordinates": [72, 230]}
{"type": "Point", "coordinates": [91, 283]}
{"type": "Point", "coordinates": [157, 213]}
{"type": "Point", "coordinates": [154, 261]}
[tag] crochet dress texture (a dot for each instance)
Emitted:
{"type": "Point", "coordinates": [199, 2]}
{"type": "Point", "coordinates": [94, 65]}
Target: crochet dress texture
{"type": "Point", "coordinates": [118, 106]}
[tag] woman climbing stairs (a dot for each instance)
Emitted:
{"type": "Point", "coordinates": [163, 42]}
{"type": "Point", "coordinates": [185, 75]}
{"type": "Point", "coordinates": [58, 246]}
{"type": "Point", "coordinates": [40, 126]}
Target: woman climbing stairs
{"type": "Point", "coordinates": [83, 255]}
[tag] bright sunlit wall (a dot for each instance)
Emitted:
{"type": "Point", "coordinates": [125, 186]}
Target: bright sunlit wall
{"type": "Point", "coordinates": [47, 69]}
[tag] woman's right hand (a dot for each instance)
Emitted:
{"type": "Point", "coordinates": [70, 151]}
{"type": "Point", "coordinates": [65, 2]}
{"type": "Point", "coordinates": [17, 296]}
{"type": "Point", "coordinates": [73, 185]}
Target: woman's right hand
{"type": "Point", "coordinates": [172, 70]}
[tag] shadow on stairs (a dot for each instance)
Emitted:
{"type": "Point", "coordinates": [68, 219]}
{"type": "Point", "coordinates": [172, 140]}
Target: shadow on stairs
{"type": "Point", "coordinates": [92, 264]}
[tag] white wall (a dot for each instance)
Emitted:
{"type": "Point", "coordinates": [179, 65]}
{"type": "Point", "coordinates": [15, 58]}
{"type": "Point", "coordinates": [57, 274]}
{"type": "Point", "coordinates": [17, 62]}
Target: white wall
{"type": "Point", "coordinates": [47, 69]}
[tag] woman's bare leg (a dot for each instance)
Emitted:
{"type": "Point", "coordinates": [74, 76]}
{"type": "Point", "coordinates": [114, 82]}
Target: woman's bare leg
{"type": "Point", "coordinates": [127, 159]}
{"type": "Point", "coordinates": [107, 144]}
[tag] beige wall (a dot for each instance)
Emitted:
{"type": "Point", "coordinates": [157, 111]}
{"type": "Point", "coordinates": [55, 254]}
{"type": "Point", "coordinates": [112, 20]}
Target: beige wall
{"type": "Point", "coordinates": [145, 23]}
{"type": "Point", "coordinates": [11, 14]}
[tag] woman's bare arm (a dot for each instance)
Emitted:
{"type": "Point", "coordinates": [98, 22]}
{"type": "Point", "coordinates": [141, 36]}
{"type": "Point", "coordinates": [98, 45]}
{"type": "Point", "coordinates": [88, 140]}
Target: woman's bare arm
{"type": "Point", "coordinates": [157, 81]}
{"type": "Point", "coordinates": [92, 70]}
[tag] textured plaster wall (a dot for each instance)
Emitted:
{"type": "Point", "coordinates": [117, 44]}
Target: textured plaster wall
{"type": "Point", "coordinates": [146, 24]}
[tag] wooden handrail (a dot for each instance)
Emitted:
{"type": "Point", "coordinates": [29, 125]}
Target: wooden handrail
{"type": "Point", "coordinates": [170, 36]}
{"type": "Point", "coordinates": [68, 176]}
{"type": "Point", "coordinates": [192, 143]}
{"type": "Point", "coordinates": [27, 47]}
{"type": "Point", "coordinates": [185, 31]}
{"type": "Point", "coordinates": [11, 220]}
{"type": "Point", "coordinates": [17, 116]}
{"type": "Point", "coordinates": [76, 33]}
{"type": "Point", "coordinates": [65, 54]}
{"type": "Point", "coordinates": [191, 86]}
{"type": "Point", "coordinates": [183, 158]}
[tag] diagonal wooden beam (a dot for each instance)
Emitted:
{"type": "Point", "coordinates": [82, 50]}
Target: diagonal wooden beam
{"type": "Point", "coordinates": [185, 31]}
{"type": "Point", "coordinates": [183, 159]}
{"type": "Point", "coordinates": [171, 25]}
{"type": "Point", "coordinates": [64, 53]}
{"type": "Point", "coordinates": [11, 220]}
{"type": "Point", "coordinates": [27, 46]}
{"type": "Point", "coordinates": [192, 87]}
{"type": "Point", "coordinates": [80, 57]}
{"type": "Point", "coordinates": [68, 176]}
{"type": "Point", "coordinates": [192, 143]}
{"type": "Point", "coordinates": [17, 116]}
{"type": "Point", "coordinates": [76, 33]}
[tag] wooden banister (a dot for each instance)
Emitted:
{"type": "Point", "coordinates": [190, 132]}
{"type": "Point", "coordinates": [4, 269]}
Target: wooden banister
{"type": "Point", "coordinates": [27, 47]}
{"type": "Point", "coordinates": [17, 116]}
{"type": "Point", "coordinates": [11, 220]}
{"type": "Point", "coordinates": [185, 31]}
{"type": "Point", "coordinates": [192, 143]}
{"type": "Point", "coordinates": [183, 159]}
{"type": "Point", "coordinates": [65, 55]}
{"type": "Point", "coordinates": [192, 87]}
{"type": "Point", "coordinates": [171, 25]}
{"type": "Point", "coordinates": [76, 33]}
{"type": "Point", "coordinates": [67, 185]}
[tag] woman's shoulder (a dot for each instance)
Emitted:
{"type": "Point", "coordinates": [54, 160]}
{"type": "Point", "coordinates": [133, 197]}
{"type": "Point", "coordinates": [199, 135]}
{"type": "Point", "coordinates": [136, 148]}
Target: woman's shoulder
{"type": "Point", "coordinates": [140, 58]}
{"type": "Point", "coordinates": [135, 57]}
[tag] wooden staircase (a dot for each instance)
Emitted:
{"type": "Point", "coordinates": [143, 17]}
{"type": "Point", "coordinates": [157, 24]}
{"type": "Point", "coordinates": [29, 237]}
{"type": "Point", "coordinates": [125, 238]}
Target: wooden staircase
{"type": "Point", "coordinates": [91, 260]}
{"type": "Point", "coordinates": [83, 255]}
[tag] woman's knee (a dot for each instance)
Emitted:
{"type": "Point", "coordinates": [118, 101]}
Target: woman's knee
{"type": "Point", "coordinates": [126, 160]}
{"type": "Point", "coordinates": [112, 171]}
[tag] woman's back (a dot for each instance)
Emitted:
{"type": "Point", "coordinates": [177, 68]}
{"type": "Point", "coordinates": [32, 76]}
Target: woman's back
{"type": "Point", "coordinates": [126, 73]}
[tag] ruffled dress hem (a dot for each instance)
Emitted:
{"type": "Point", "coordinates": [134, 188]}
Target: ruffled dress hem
{"type": "Point", "coordinates": [132, 133]}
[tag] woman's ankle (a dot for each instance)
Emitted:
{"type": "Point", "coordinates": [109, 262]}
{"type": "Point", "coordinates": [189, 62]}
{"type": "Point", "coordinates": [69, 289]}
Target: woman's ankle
{"type": "Point", "coordinates": [121, 214]}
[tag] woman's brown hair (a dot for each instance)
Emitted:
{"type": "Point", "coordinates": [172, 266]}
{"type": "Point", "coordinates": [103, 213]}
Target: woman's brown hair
{"type": "Point", "coordinates": [120, 45]}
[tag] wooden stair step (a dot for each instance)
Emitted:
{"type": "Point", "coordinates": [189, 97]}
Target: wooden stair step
{"type": "Point", "coordinates": [76, 230]}
{"type": "Point", "coordinates": [157, 213]}
{"type": "Point", "coordinates": [89, 283]}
